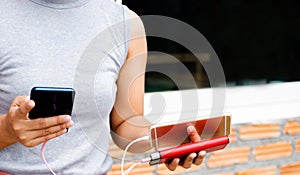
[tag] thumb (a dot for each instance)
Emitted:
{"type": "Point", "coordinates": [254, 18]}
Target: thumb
{"type": "Point", "coordinates": [193, 134]}
{"type": "Point", "coordinates": [21, 106]}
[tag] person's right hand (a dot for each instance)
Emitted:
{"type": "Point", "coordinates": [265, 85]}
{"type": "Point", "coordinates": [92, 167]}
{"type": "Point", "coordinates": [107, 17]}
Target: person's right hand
{"type": "Point", "coordinates": [34, 132]}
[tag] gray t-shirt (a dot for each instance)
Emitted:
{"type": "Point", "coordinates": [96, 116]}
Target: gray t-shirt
{"type": "Point", "coordinates": [63, 43]}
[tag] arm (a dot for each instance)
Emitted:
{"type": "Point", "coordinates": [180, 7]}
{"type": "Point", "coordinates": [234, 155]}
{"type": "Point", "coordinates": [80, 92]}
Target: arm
{"type": "Point", "coordinates": [127, 121]}
{"type": "Point", "coordinates": [16, 127]}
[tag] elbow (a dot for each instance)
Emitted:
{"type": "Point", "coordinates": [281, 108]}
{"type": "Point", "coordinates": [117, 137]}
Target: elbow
{"type": "Point", "coordinates": [138, 147]}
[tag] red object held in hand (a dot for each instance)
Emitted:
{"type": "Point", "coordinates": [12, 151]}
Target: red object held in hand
{"type": "Point", "coordinates": [183, 150]}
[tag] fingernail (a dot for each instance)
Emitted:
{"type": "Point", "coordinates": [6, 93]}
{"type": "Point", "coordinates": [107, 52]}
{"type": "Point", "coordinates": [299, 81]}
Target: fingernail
{"type": "Point", "coordinates": [190, 129]}
{"type": "Point", "coordinates": [202, 153]}
{"type": "Point", "coordinates": [67, 118]}
{"type": "Point", "coordinates": [64, 131]}
{"type": "Point", "coordinates": [71, 123]}
{"type": "Point", "coordinates": [193, 155]}
{"type": "Point", "coordinates": [31, 103]}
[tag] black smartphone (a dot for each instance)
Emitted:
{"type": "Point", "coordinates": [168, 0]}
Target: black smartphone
{"type": "Point", "coordinates": [51, 101]}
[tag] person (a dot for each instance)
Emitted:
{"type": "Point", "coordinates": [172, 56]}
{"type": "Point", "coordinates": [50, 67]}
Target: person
{"type": "Point", "coordinates": [42, 42]}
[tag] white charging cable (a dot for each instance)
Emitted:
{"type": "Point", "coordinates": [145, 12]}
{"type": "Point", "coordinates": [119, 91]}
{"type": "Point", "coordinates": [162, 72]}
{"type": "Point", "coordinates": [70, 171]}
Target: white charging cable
{"type": "Point", "coordinates": [125, 151]}
{"type": "Point", "coordinates": [44, 159]}
{"type": "Point", "coordinates": [145, 160]}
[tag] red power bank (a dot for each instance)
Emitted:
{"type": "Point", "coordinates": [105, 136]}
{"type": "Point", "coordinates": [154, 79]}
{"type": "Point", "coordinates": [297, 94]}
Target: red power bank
{"type": "Point", "coordinates": [183, 150]}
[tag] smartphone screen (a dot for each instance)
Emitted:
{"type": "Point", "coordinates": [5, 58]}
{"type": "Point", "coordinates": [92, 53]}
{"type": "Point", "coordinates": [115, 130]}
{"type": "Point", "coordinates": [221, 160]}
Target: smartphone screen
{"type": "Point", "coordinates": [51, 101]}
{"type": "Point", "coordinates": [175, 133]}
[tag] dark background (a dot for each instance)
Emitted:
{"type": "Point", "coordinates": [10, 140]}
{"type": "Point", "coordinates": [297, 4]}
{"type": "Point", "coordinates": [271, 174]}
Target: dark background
{"type": "Point", "coordinates": [256, 40]}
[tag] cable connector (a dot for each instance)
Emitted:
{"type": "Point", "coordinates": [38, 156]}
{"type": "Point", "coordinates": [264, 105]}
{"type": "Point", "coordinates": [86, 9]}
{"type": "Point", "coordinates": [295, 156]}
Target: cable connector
{"type": "Point", "coordinates": [166, 155]}
{"type": "Point", "coordinates": [144, 138]}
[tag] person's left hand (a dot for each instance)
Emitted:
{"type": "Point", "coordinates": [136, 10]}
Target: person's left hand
{"type": "Point", "coordinates": [193, 158]}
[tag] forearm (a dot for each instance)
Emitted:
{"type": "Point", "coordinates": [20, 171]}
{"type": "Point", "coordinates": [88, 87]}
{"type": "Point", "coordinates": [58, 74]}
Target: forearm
{"type": "Point", "coordinates": [5, 137]}
{"type": "Point", "coordinates": [131, 129]}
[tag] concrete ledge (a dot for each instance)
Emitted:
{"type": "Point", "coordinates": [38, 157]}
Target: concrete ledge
{"type": "Point", "coordinates": [247, 104]}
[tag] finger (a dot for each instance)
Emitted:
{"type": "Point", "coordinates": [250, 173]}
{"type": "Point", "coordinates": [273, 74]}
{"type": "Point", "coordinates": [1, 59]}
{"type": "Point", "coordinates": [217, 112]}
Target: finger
{"type": "Point", "coordinates": [43, 139]}
{"type": "Point", "coordinates": [22, 106]}
{"type": "Point", "coordinates": [19, 100]}
{"type": "Point", "coordinates": [24, 109]}
{"type": "Point", "coordinates": [42, 123]}
{"type": "Point", "coordinates": [193, 134]}
{"type": "Point", "coordinates": [173, 165]}
{"type": "Point", "coordinates": [54, 129]}
{"type": "Point", "coordinates": [47, 131]}
{"type": "Point", "coordinates": [189, 160]}
{"type": "Point", "coordinates": [199, 159]}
